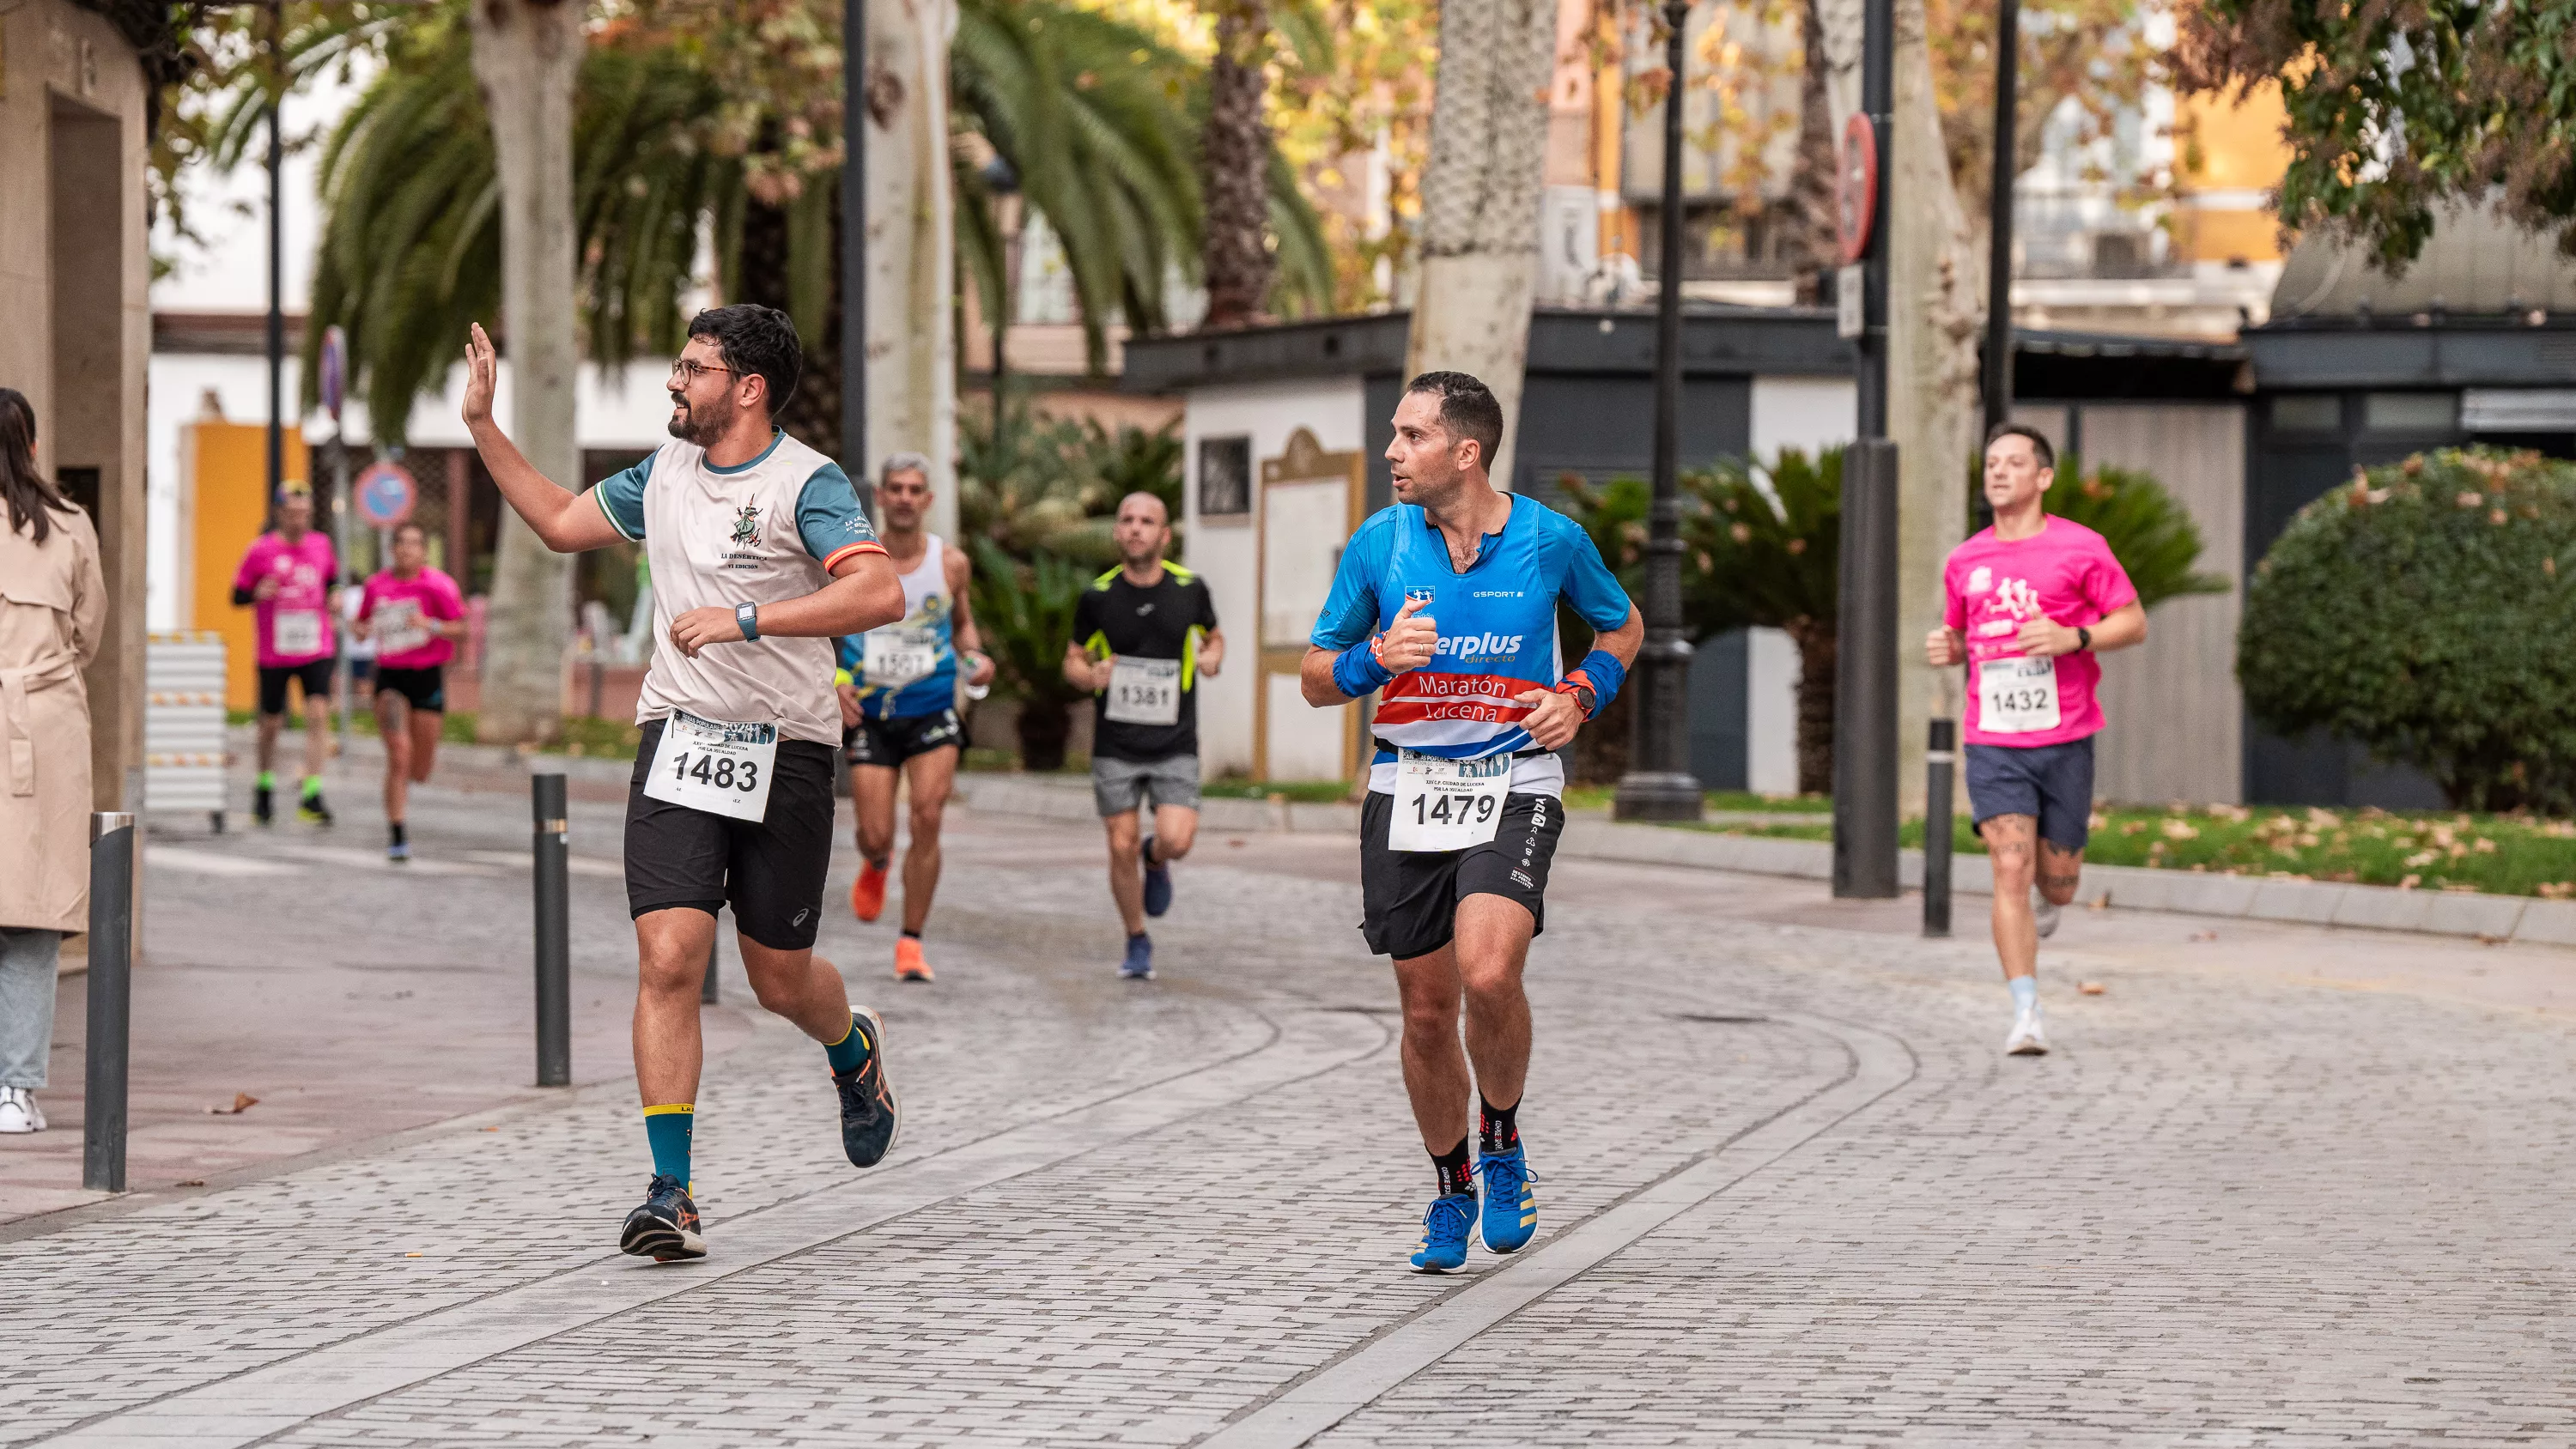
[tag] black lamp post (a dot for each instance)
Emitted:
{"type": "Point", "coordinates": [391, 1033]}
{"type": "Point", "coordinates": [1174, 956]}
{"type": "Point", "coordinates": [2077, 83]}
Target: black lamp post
{"type": "Point", "coordinates": [1999, 218]}
{"type": "Point", "coordinates": [276, 253]}
{"type": "Point", "coordinates": [1659, 784]}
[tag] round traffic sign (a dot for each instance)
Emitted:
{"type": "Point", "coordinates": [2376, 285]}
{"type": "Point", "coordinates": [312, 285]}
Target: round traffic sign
{"type": "Point", "coordinates": [1856, 188]}
{"type": "Point", "coordinates": [335, 370]}
{"type": "Point", "coordinates": [384, 494]}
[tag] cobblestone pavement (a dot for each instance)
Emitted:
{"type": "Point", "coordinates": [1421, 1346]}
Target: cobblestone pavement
{"type": "Point", "coordinates": [1790, 1193]}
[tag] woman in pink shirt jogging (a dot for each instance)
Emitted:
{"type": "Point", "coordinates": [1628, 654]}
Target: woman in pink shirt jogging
{"type": "Point", "coordinates": [415, 614]}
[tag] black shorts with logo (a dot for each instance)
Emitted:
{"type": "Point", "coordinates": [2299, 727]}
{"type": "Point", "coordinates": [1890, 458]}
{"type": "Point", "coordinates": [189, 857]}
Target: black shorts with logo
{"type": "Point", "coordinates": [770, 870]}
{"type": "Point", "coordinates": [890, 742]}
{"type": "Point", "coordinates": [1409, 898]}
{"type": "Point", "coordinates": [425, 688]}
{"type": "Point", "coordinates": [313, 674]}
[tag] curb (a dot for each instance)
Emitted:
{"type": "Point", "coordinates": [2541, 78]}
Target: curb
{"type": "Point", "coordinates": [2254, 898]}
{"type": "Point", "coordinates": [367, 749]}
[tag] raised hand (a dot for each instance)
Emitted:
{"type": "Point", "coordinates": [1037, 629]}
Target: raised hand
{"type": "Point", "coordinates": [481, 375]}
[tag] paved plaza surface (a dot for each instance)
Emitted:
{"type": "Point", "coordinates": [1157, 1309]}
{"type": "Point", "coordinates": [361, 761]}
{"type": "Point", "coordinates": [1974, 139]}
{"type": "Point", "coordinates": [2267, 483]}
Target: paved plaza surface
{"type": "Point", "coordinates": [2277, 1185]}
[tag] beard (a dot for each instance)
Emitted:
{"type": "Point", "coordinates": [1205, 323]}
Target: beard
{"type": "Point", "coordinates": [691, 423]}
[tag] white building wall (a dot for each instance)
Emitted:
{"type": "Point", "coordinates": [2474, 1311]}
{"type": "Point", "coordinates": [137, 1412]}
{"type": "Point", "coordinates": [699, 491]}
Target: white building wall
{"type": "Point", "coordinates": [1227, 553]}
{"type": "Point", "coordinates": [1810, 414]}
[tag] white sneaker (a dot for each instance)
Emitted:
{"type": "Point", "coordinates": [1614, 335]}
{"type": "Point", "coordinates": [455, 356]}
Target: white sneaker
{"type": "Point", "coordinates": [2028, 1038]}
{"type": "Point", "coordinates": [2044, 911]}
{"type": "Point", "coordinates": [19, 1112]}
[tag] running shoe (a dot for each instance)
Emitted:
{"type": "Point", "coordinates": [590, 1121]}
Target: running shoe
{"type": "Point", "coordinates": [1444, 1234]}
{"type": "Point", "coordinates": [399, 852]}
{"type": "Point", "coordinates": [867, 893]}
{"type": "Point", "coordinates": [2044, 911]}
{"type": "Point", "coordinates": [19, 1112]}
{"type": "Point", "coordinates": [665, 1228]}
{"type": "Point", "coordinates": [263, 804]}
{"type": "Point", "coordinates": [1158, 880]}
{"type": "Point", "coordinates": [2029, 1038]}
{"type": "Point", "coordinates": [1139, 965]}
{"type": "Point", "coordinates": [312, 811]}
{"type": "Point", "coordinates": [908, 963]}
{"type": "Point", "coordinates": [1511, 1209]}
{"type": "Point", "coordinates": [870, 1120]}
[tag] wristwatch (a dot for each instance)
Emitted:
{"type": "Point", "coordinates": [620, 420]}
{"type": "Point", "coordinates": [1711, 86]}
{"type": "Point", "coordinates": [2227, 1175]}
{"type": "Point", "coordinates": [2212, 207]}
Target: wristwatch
{"type": "Point", "coordinates": [748, 616]}
{"type": "Point", "coordinates": [1586, 698]}
{"type": "Point", "coordinates": [2083, 637]}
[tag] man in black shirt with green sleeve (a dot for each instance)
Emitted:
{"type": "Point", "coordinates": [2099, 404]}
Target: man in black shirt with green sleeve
{"type": "Point", "coordinates": [1143, 635]}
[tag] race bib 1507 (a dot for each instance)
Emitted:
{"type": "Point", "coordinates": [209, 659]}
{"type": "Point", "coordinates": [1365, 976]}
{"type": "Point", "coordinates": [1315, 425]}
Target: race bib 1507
{"type": "Point", "coordinates": [2017, 696]}
{"type": "Point", "coordinates": [895, 656]}
{"type": "Point", "coordinates": [717, 766]}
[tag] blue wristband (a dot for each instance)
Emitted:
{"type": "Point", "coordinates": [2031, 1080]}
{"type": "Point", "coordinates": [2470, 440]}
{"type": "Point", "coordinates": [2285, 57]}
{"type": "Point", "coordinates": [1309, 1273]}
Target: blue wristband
{"type": "Point", "coordinates": [1606, 674]}
{"type": "Point", "coordinates": [1356, 671]}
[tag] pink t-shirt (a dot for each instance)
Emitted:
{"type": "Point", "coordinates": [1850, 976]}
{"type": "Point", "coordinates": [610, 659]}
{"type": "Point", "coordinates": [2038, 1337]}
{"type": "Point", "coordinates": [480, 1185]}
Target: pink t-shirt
{"type": "Point", "coordinates": [295, 622]}
{"type": "Point", "coordinates": [2065, 574]}
{"type": "Point", "coordinates": [401, 608]}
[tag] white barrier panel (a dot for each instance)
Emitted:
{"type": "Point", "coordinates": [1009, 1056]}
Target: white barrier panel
{"type": "Point", "coordinates": [183, 723]}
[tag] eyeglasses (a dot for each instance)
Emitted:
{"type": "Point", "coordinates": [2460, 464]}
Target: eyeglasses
{"type": "Point", "coordinates": [689, 372]}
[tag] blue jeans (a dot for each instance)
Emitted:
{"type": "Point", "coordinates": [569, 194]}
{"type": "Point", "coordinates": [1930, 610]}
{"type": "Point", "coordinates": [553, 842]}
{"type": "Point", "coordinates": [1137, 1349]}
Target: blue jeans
{"type": "Point", "coordinates": [27, 962]}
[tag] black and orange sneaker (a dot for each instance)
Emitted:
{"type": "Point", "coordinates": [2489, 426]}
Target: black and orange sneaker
{"type": "Point", "coordinates": [869, 1118]}
{"type": "Point", "coordinates": [665, 1228]}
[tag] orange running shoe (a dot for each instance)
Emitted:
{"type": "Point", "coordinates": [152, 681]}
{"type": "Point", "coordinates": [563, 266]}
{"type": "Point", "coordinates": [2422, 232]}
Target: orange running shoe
{"type": "Point", "coordinates": [867, 893]}
{"type": "Point", "coordinates": [908, 965]}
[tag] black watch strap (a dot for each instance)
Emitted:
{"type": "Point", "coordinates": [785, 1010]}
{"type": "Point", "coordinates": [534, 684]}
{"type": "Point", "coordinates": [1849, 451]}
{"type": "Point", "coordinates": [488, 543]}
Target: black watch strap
{"type": "Point", "coordinates": [2083, 637]}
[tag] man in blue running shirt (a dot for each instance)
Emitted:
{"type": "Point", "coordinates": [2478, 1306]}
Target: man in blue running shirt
{"type": "Point", "coordinates": [1445, 604]}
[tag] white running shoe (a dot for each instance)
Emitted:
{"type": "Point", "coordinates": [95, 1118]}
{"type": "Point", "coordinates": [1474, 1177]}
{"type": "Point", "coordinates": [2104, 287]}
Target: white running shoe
{"type": "Point", "coordinates": [19, 1112]}
{"type": "Point", "coordinates": [2028, 1038]}
{"type": "Point", "coordinates": [2044, 912]}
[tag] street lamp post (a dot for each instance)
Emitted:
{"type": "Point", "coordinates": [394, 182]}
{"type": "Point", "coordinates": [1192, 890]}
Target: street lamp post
{"type": "Point", "coordinates": [1659, 784]}
{"type": "Point", "coordinates": [854, 244]}
{"type": "Point", "coordinates": [1999, 217]}
{"type": "Point", "coordinates": [276, 253]}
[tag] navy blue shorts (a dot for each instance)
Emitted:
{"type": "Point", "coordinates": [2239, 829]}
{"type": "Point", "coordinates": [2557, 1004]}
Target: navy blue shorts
{"type": "Point", "coordinates": [2051, 782]}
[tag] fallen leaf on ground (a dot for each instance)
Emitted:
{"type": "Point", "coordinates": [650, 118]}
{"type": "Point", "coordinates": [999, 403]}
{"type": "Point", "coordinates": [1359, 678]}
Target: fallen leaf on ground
{"type": "Point", "coordinates": [192, 1182]}
{"type": "Point", "coordinates": [242, 1102]}
{"type": "Point", "coordinates": [2204, 935]}
{"type": "Point", "coordinates": [2483, 939]}
{"type": "Point", "coordinates": [2089, 988]}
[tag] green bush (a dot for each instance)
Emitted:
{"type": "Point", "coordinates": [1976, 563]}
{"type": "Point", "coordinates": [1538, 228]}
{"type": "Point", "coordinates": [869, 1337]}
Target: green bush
{"type": "Point", "coordinates": [2425, 611]}
{"type": "Point", "coordinates": [1025, 613]}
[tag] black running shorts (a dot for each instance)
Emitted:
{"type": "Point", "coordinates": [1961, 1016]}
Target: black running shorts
{"type": "Point", "coordinates": [425, 688]}
{"type": "Point", "coordinates": [313, 674]}
{"type": "Point", "coordinates": [890, 742]}
{"type": "Point", "coordinates": [770, 871]}
{"type": "Point", "coordinates": [1410, 897]}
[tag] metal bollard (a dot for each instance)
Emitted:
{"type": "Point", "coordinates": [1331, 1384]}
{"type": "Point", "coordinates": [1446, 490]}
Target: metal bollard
{"type": "Point", "coordinates": [553, 893]}
{"type": "Point", "coordinates": [1938, 763]}
{"type": "Point", "coordinates": [707, 988]}
{"type": "Point", "coordinates": [112, 847]}
{"type": "Point", "coordinates": [1865, 678]}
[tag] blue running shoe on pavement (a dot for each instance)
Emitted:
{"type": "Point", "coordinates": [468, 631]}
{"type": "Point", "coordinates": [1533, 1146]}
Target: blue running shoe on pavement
{"type": "Point", "coordinates": [1444, 1234]}
{"type": "Point", "coordinates": [1139, 965]}
{"type": "Point", "coordinates": [1511, 1209]}
{"type": "Point", "coordinates": [1158, 879]}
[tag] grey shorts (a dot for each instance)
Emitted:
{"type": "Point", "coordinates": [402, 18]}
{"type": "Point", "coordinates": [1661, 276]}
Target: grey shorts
{"type": "Point", "coordinates": [1118, 786]}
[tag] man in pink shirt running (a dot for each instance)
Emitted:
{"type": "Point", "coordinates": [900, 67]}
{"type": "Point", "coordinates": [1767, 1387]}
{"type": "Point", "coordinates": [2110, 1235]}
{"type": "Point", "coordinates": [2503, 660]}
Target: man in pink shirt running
{"type": "Point", "coordinates": [286, 579]}
{"type": "Point", "coordinates": [415, 614]}
{"type": "Point", "coordinates": [2027, 605]}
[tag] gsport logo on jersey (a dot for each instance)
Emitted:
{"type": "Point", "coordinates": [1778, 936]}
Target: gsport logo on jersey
{"type": "Point", "coordinates": [1479, 648]}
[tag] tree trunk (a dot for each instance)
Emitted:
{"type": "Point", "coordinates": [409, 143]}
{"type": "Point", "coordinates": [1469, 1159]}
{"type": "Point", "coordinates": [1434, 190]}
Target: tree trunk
{"type": "Point", "coordinates": [1813, 227]}
{"type": "Point", "coordinates": [1815, 639]}
{"type": "Point", "coordinates": [1236, 152]}
{"type": "Point", "coordinates": [1480, 195]}
{"type": "Point", "coordinates": [912, 254]}
{"type": "Point", "coordinates": [526, 56]}
{"type": "Point", "coordinates": [1936, 309]}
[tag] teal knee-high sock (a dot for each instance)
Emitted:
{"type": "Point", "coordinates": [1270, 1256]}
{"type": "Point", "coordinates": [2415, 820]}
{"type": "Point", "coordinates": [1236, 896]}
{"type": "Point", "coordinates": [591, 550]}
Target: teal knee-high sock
{"type": "Point", "coordinates": [851, 1052]}
{"type": "Point", "coordinates": [668, 1128]}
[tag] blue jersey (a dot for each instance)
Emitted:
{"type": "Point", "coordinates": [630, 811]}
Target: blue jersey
{"type": "Point", "coordinates": [915, 671]}
{"type": "Point", "coordinates": [1497, 623]}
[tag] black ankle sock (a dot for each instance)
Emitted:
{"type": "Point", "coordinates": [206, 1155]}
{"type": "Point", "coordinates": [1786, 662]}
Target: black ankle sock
{"type": "Point", "coordinates": [1451, 1168]}
{"type": "Point", "coordinates": [1496, 1131]}
{"type": "Point", "coordinates": [396, 827]}
{"type": "Point", "coordinates": [912, 934]}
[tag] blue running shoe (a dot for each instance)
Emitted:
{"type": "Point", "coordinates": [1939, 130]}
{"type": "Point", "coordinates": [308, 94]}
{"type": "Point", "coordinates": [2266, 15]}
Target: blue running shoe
{"type": "Point", "coordinates": [1158, 880]}
{"type": "Point", "coordinates": [1444, 1234]}
{"type": "Point", "coordinates": [1511, 1209]}
{"type": "Point", "coordinates": [1139, 965]}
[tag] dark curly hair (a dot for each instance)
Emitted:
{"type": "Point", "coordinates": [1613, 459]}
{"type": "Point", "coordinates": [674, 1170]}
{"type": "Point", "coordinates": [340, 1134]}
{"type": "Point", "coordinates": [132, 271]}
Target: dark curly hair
{"type": "Point", "coordinates": [31, 496]}
{"type": "Point", "coordinates": [756, 339]}
{"type": "Point", "coordinates": [1468, 409]}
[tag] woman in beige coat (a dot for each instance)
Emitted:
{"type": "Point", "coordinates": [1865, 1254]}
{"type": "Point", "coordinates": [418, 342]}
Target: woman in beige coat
{"type": "Point", "coordinates": [53, 605]}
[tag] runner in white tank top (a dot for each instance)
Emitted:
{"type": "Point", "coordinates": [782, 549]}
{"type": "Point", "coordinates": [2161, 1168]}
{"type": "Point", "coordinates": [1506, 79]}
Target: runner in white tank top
{"type": "Point", "coordinates": [899, 701]}
{"type": "Point", "coordinates": [760, 559]}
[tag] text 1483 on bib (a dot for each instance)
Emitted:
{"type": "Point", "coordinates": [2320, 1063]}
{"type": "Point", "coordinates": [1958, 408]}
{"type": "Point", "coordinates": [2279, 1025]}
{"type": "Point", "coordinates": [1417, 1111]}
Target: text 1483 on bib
{"type": "Point", "coordinates": [1447, 804]}
{"type": "Point", "coordinates": [714, 765]}
{"type": "Point", "coordinates": [895, 656]}
{"type": "Point", "coordinates": [1144, 691]}
{"type": "Point", "coordinates": [2017, 696]}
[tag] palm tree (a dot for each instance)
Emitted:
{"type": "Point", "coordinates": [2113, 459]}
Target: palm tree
{"type": "Point", "coordinates": [1237, 137]}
